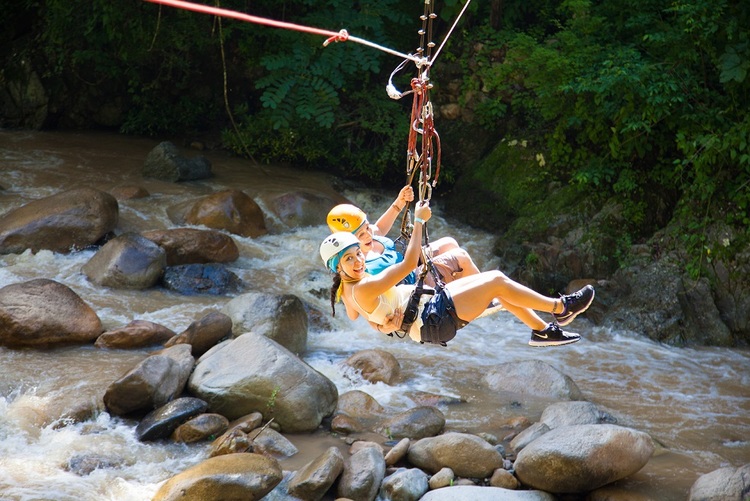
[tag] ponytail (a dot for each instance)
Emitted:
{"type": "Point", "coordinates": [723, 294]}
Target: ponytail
{"type": "Point", "coordinates": [335, 292]}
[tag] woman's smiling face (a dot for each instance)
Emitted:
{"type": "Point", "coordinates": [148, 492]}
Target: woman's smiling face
{"type": "Point", "coordinates": [364, 235]}
{"type": "Point", "coordinates": [353, 262]}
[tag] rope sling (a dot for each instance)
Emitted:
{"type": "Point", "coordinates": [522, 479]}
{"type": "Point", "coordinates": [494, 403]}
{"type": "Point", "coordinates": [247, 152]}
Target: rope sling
{"type": "Point", "coordinates": [423, 149]}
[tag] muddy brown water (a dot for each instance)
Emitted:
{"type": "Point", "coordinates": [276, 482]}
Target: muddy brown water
{"type": "Point", "coordinates": [694, 402]}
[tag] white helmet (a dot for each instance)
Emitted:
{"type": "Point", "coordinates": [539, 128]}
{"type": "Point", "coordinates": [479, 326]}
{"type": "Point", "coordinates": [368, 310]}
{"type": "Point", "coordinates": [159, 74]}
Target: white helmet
{"type": "Point", "coordinates": [334, 245]}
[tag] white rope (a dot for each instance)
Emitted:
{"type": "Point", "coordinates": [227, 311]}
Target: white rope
{"type": "Point", "coordinates": [450, 31]}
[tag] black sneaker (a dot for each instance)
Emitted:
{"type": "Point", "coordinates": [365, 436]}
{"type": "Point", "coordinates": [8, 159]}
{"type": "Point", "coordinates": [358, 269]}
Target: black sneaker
{"type": "Point", "coordinates": [574, 304]}
{"type": "Point", "coordinates": [552, 335]}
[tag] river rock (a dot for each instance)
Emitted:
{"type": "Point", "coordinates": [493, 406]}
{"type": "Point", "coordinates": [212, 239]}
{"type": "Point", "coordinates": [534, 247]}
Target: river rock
{"type": "Point", "coordinates": [505, 479]}
{"type": "Point", "coordinates": [68, 221]}
{"type": "Point", "coordinates": [166, 163]}
{"type": "Point", "coordinates": [528, 435]}
{"type": "Point", "coordinates": [204, 333]}
{"type": "Point", "coordinates": [84, 463]}
{"type": "Point", "coordinates": [570, 413]}
{"type": "Point", "coordinates": [281, 317]}
{"type": "Point", "coordinates": [244, 476]}
{"type": "Point", "coordinates": [724, 484]}
{"type": "Point", "coordinates": [194, 246]}
{"type": "Point", "coordinates": [405, 484]}
{"type": "Point", "coordinates": [313, 480]}
{"type": "Point", "coordinates": [247, 423]}
{"type": "Point", "coordinates": [533, 377]}
{"type": "Point", "coordinates": [43, 312]}
{"type": "Point", "coordinates": [192, 279]}
{"type": "Point", "coordinates": [581, 458]}
{"type": "Point", "coordinates": [295, 209]}
{"type": "Point", "coordinates": [153, 382]}
{"type": "Point", "coordinates": [129, 261]}
{"type": "Point", "coordinates": [414, 423]}
{"type": "Point", "coordinates": [272, 443]}
{"type": "Point", "coordinates": [375, 365]}
{"type": "Point", "coordinates": [363, 473]}
{"type": "Point", "coordinates": [136, 334]}
{"type": "Point", "coordinates": [253, 373]}
{"type": "Point", "coordinates": [200, 427]}
{"type": "Point", "coordinates": [230, 210]}
{"type": "Point", "coordinates": [356, 411]}
{"type": "Point", "coordinates": [397, 452]}
{"type": "Point", "coordinates": [704, 323]}
{"type": "Point", "coordinates": [163, 421]}
{"type": "Point", "coordinates": [128, 192]}
{"type": "Point", "coordinates": [233, 441]}
{"type": "Point", "coordinates": [467, 455]}
{"type": "Point", "coordinates": [476, 493]}
{"type": "Point", "coordinates": [442, 478]}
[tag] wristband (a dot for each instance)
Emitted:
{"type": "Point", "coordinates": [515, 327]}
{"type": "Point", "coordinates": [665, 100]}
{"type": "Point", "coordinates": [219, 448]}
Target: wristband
{"type": "Point", "coordinates": [397, 207]}
{"type": "Point", "coordinates": [418, 220]}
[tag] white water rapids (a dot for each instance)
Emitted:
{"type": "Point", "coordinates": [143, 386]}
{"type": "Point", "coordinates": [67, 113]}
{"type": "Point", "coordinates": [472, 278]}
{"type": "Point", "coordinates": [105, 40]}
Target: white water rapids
{"type": "Point", "coordinates": [694, 401]}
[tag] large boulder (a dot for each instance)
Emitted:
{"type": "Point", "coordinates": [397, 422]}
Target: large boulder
{"type": "Point", "coordinates": [68, 221]}
{"type": "Point", "coordinates": [253, 373]}
{"type": "Point", "coordinates": [163, 421]}
{"type": "Point", "coordinates": [136, 334]}
{"type": "Point", "coordinates": [129, 261]}
{"type": "Point", "coordinates": [570, 413]}
{"type": "Point", "coordinates": [194, 246]}
{"type": "Point", "coordinates": [299, 208]}
{"type": "Point", "coordinates": [230, 210]}
{"type": "Point", "coordinates": [152, 383]}
{"type": "Point", "coordinates": [724, 484]}
{"type": "Point", "coordinates": [166, 163]}
{"type": "Point", "coordinates": [534, 378]}
{"type": "Point", "coordinates": [363, 473]}
{"type": "Point", "coordinates": [210, 278]}
{"type": "Point", "coordinates": [414, 423]}
{"type": "Point", "coordinates": [375, 365]}
{"type": "Point", "coordinates": [405, 484]}
{"type": "Point", "coordinates": [477, 493]}
{"type": "Point", "coordinates": [467, 455]}
{"type": "Point", "coordinates": [43, 312]}
{"type": "Point", "coordinates": [281, 317]}
{"type": "Point", "coordinates": [581, 458]}
{"type": "Point", "coordinates": [313, 480]}
{"type": "Point", "coordinates": [244, 476]}
{"type": "Point", "coordinates": [204, 333]}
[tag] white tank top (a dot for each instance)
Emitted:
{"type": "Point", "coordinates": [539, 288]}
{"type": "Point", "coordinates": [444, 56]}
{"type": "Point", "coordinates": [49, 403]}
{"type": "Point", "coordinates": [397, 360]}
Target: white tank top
{"type": "Point", "coordinates": [395, 297]}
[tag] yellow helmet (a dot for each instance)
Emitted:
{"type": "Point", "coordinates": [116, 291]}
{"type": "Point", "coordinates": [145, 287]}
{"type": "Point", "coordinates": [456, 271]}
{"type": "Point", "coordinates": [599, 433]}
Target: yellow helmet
{"type": "Point", "coordinates": [346, 217]}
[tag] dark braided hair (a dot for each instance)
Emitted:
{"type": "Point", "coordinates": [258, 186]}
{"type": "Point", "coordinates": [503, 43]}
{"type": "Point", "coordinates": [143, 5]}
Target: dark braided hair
{"type": "Point", "coordinates": [334, 290]}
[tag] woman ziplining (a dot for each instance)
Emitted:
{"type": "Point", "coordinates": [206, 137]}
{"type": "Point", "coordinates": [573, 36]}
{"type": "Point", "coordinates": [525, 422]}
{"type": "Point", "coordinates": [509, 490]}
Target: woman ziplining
{"type": "Point", "coordinates": [384, 303]}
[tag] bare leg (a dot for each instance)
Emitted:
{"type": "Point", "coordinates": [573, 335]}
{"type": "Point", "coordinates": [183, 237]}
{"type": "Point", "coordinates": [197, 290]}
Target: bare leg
{"type": "Point", "coordinates": [525, 315]}
{"type": "Point", "coordinates": [442, 245]}
{"type": "Point", "coordinates": [472, 294]}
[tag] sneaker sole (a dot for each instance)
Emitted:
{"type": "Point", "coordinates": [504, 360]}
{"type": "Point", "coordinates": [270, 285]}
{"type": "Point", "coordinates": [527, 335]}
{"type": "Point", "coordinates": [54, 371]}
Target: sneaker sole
{"type": "Point", "coordinates": [542, 344]}
{"type": "Point", "coordinates": [568, 320]}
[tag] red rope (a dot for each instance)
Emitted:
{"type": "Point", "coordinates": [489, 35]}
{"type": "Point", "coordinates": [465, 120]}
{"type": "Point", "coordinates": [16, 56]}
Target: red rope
{"type": "Point", "coordinates": [216, 11]}
{"type": "Point", "coordinates": [333, 36]}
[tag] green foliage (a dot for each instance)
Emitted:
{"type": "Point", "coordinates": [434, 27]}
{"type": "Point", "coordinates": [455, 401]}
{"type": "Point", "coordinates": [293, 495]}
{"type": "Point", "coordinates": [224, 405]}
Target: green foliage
{"type": "Point", "coordinates": [646, 104]}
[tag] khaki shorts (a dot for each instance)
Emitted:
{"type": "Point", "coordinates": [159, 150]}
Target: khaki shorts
{"type": "Point", "coordinates": [447, 265]}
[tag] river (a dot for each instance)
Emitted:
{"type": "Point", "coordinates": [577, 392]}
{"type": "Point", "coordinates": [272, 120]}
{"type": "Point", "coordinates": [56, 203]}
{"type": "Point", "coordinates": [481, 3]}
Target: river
{"type": "Point", "coordinates": [695, 402]}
